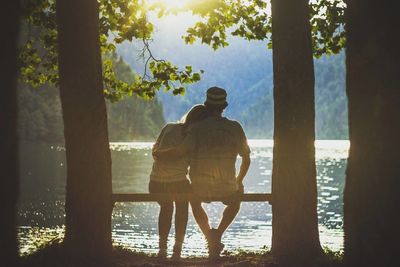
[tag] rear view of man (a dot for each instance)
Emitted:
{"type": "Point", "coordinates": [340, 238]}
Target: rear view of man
{"type": "Point", "coordinates": [213, 145]}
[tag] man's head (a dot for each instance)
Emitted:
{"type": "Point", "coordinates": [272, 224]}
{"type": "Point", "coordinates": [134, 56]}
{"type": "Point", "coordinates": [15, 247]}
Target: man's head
{"type": "Point", "coordinates": [216, 100]}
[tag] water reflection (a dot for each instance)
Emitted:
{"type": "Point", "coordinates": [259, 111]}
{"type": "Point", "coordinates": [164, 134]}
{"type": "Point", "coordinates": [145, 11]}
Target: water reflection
{"type": "Point", "coordinates": [134, 225]}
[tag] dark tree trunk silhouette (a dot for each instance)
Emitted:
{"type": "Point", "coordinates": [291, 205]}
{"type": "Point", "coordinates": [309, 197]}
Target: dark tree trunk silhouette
{"type": "Point", "coordinates": [294, 224]}
{"type": "Point", "coordinates": [9, 20]}
{"type": "Point", "coordinates": [88, 192]}
{"type": "Point", "coordinates": [372, 191]}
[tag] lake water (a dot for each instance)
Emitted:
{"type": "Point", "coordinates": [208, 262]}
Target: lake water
{"type": "Point", "coordinates": [134, 225]}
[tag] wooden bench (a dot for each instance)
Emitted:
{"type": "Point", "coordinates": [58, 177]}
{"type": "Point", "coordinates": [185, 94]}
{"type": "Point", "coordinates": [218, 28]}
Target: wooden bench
{"type": "Point", "coordinates": [145, 197]}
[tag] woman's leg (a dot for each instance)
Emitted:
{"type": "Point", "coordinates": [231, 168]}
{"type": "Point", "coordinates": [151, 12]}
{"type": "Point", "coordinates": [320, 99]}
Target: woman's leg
{"type": "Point", "coordinates": [164, 225]}
{"type": "Point", "coordinates": [181, 219]}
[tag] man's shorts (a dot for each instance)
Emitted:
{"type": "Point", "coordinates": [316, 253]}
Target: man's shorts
{"type": "Point", "coordinates": [228, 200]}
{"type": "Point", "coordinates": [232, 199]}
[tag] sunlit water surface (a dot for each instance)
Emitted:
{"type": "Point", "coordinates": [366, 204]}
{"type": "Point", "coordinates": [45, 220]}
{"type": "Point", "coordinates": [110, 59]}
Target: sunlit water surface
{"type": "Point", "coordinates": [41, 214]}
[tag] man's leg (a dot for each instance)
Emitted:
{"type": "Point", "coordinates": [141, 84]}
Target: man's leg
{"type": "Point", "coordinates": [229, 215]}
{"type": "Point", "coordinates": [200, 216]}
{"type": "Point", "coordinates": [214, 246]}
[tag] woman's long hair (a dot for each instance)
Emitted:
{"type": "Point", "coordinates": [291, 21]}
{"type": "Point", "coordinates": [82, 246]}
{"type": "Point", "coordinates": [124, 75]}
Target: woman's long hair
{"type": "Point", "coordinates": [195, 114]}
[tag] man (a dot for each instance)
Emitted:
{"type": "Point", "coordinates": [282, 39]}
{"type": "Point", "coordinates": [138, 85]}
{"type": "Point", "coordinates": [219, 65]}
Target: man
{"type": "Point", "coordinates": [213, 145]}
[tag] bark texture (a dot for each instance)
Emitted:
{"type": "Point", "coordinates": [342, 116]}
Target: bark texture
{"type": "Point", "coordinates": [294, 189]}
{"type": "Point", "coordinates": [88, 192]}
{"type": "Point", "coordinates": [9, 20]}
{"type": "Point", "coordinates": [372, 190]}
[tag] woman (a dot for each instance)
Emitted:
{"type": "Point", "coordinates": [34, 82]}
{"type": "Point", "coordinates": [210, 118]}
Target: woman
{"type": "Point", "coordinates": [169, 176]}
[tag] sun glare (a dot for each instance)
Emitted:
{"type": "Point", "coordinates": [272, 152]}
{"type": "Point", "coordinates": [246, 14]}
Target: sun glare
{"type": "Point", "coordinates": [174, 3]}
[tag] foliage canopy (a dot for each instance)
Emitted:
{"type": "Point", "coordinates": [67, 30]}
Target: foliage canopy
{"type": "Point", "coordinates": [252, 21]}
{"type": "Point", "coordinates": [128, 20]}
{"type": "Point", "coordinates": [120, 21]}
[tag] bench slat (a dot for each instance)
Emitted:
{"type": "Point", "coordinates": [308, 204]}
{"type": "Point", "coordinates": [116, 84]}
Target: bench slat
{"type": "Point", "coordinates": [144, 197]}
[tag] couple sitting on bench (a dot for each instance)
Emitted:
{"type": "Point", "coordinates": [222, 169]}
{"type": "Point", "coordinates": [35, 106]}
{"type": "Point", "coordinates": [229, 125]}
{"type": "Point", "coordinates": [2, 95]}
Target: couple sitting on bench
{"type": "Point", "coordinates": [207, 144]}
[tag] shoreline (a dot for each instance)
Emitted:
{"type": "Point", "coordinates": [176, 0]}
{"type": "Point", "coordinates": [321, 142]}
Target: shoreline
{"type": "Point", "coordinates": [54, 254]}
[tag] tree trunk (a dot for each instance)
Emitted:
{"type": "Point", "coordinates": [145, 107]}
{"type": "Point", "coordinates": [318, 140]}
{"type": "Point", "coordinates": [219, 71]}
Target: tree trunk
{"type": "Point", "coordinates": [9, 20]}
{"type": "Point", "coordinates": [294, 224]}
{"type": "Point", "coordinates": [372, 191]}
{"type": "Point", "coordinates": [88, 196]}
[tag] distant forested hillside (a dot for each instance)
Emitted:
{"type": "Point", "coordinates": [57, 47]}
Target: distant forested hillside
{"type": "Point", "coordinates": [133, 118]}
{"type": "Point", "coordinates": [330, 97]}
{"type": "Point", "coordinates": [330, 103]}
{"type": "Point", "coordinates": [40, 117]}
{"type": "Point", "coordinates": [244, 69]}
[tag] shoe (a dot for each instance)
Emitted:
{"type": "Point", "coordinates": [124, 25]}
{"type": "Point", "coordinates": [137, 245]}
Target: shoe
{"type": "Point", "coordinates": [215, 246]}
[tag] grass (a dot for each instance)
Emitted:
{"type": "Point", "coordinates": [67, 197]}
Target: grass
{"type": "Point", "coordinates": [53, 255]}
